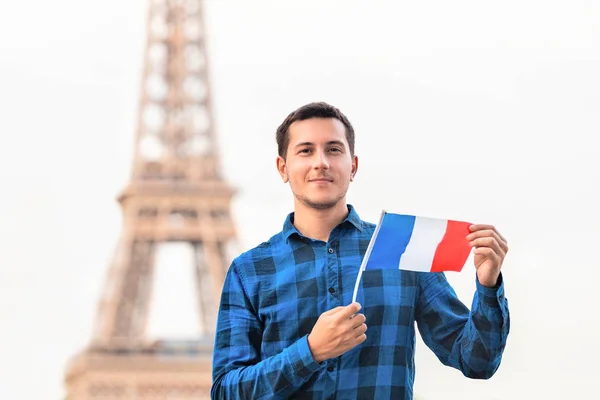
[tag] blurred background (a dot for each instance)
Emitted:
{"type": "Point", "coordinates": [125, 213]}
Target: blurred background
{"type": "Point", "coordinates": [481, 111]}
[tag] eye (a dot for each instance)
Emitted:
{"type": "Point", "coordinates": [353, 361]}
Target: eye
{"type": "Point", "coordinates": [304, 151]}
{"type": "Point", "coordinates": [336, 149]}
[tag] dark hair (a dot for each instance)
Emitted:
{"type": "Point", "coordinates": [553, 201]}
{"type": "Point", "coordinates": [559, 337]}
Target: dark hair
{"type": "Point", "coordinates": [308, 111]}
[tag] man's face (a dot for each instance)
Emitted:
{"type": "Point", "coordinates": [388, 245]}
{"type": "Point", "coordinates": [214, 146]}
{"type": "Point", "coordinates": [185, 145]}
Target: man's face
{"type": "Point", "coordinates": [318, 163]}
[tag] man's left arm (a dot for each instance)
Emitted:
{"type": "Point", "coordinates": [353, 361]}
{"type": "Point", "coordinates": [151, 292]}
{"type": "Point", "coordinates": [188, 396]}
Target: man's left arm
{"type": "Point", "coordinates": [470, 341]}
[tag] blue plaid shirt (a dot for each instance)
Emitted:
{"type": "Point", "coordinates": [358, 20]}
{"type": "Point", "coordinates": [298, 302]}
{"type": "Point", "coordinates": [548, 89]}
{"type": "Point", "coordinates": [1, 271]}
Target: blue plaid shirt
{"type": "Point", "coordinates": [274, 294]}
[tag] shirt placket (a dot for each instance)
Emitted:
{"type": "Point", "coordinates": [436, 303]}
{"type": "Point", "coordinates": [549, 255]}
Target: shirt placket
{"type": "Point", "coordinates": [334, 300]}
{"type": "Point", "coordinates": [333, 279]}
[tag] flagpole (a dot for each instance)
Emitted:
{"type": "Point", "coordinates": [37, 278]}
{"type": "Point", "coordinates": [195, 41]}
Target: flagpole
{"type": "Point", "coordinates": [363, 265]}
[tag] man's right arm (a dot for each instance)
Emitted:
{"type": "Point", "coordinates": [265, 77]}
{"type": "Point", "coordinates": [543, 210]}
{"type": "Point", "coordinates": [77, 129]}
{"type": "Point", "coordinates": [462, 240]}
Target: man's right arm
{"type": "Point", "coordinates": [238, 371]}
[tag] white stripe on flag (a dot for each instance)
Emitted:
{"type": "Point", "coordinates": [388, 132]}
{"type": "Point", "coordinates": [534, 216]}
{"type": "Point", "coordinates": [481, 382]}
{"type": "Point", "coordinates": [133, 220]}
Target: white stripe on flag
{"type": "Point", "coordinates": [427, 234]}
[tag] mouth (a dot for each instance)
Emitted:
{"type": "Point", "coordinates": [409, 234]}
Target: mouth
{"type": "Point", "coordinates": [321, 180]}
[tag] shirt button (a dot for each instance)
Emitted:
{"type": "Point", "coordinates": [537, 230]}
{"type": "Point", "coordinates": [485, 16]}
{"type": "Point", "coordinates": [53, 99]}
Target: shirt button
{"type": "Point", "coordinates": [331, 290]}
{"type": "Point", "coordinates": [330, 368]}
{"type": "Point", "coordinates": [330, 250]}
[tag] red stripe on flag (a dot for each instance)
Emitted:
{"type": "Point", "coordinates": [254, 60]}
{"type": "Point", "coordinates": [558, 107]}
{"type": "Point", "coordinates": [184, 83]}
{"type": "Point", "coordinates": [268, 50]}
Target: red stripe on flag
{"type": "Point", "coordinates": [452, 252]}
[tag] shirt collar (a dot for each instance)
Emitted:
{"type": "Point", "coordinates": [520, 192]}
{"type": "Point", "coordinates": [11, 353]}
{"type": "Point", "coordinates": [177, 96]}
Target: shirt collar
{"type": "Point", "coordinates": [352, 218]}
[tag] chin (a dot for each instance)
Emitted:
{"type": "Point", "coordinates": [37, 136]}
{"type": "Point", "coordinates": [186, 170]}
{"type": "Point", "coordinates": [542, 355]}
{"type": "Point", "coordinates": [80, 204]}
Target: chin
{"type": "Point", "coordinates": [320, 203]}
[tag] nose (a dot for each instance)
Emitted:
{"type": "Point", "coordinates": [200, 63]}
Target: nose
{"type": "Point", "coordinates": [321, 161]}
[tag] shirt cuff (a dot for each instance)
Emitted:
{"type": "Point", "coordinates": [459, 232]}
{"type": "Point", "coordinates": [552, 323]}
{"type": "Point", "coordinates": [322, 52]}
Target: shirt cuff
{"type": "Point", "coordinates": [491, 296]}
{"type": "Point", "coordinates": [302, 359]}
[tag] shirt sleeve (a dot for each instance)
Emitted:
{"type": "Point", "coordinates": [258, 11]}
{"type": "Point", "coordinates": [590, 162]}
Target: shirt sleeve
{"type": "Point", "coordinates": [238, 370]}
{"type": "Point", "coordinates": [470, 341]}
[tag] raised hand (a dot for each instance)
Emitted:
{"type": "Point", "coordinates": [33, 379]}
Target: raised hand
{"type": "Point", "coordinates": [490, 250]}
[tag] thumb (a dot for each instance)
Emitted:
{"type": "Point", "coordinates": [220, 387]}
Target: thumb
{"type": "Point", "coordinates": [351, 309]}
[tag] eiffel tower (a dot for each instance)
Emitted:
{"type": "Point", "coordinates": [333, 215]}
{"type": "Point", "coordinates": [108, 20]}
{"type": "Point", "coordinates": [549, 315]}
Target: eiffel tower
{"type": "Point", "coordinates": [176, 195]}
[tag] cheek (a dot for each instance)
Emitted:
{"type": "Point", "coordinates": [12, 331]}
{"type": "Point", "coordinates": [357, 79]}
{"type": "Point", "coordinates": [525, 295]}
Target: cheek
{"type": "Point", "coordinates": [296, 173]}
{"type": "Point", "coordinates": [344, 170]}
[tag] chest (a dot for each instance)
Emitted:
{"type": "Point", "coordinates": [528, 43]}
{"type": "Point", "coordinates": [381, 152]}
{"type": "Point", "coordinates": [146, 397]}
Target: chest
{"type": "Point", "coordinates": [309, 284]}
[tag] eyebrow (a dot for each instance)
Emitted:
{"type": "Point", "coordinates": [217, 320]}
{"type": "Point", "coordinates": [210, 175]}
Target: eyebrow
{"type": "Point", "coordinates": [332, 142]}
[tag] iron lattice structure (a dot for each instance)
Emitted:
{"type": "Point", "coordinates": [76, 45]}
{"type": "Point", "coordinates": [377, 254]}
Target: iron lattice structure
{"type": "Point", "coordinates": [176, 193]}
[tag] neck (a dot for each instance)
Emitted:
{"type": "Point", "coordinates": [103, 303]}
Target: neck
{"type": "Point", "coordinates": [318, 224]}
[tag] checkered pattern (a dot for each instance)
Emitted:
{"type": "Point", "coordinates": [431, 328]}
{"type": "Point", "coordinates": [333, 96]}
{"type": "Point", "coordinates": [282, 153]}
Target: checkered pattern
{"type": "Point", "coordinates": [274, 293]}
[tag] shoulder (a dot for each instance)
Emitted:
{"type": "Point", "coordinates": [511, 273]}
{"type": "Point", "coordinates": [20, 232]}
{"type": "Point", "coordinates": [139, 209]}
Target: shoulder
{"type": "Point", "coordinates": [258, 260]}
{"type": "Point", "coordinates": [368, 227]}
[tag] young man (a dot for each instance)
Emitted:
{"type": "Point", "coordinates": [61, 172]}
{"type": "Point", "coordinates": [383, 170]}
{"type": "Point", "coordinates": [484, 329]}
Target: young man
{"type": "Point", "coordinates": [285, 326]}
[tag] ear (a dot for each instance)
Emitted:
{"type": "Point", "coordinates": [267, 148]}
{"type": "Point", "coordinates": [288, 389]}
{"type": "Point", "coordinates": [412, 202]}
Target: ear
{"type": "Point", "coordinates": [354, 168]}
{"type": "Point", "coordinates": [282, 169]}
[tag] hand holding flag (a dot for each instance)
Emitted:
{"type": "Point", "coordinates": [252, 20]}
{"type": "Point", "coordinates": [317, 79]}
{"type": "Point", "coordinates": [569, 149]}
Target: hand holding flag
{"type": "Point", "coordinates": [337, 331]}
{"type": "Point", "coordinates": [490, 250]}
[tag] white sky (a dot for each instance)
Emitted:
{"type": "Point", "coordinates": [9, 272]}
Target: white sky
{"type": "Point", "coordinates": [485, 111]}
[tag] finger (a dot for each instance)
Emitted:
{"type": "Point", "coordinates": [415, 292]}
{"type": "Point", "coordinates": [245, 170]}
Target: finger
{"type": "Point", "coordinates": [359, 330]}
{"type": "Point", "coordinates": [357, 320]}
{"type": "Point", "coordinates": [481, 227]}
{"type": "Point", "coordinates": [360, 339]}
{"type": "Point", "coordinates": [489, 253]}
{"type": "Point", "coordinates": [489, 242]}
{"type": "Point", "coordinates": [349, 310]}
{"type": "Point", "coordinates": [334, 310]}
{"type": "Point", "coordinates": [488, 233]}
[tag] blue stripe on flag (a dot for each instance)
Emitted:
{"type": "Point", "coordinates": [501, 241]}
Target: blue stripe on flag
{"type": "Point", "coordinates": [394, 234]}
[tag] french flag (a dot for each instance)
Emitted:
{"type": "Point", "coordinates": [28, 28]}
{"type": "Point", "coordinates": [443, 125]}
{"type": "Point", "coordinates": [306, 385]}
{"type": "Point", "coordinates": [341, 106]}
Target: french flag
{"type": "Point", "coordinates": [415, 243]}
{"type": "Point", "coordinates": [418, 244]}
